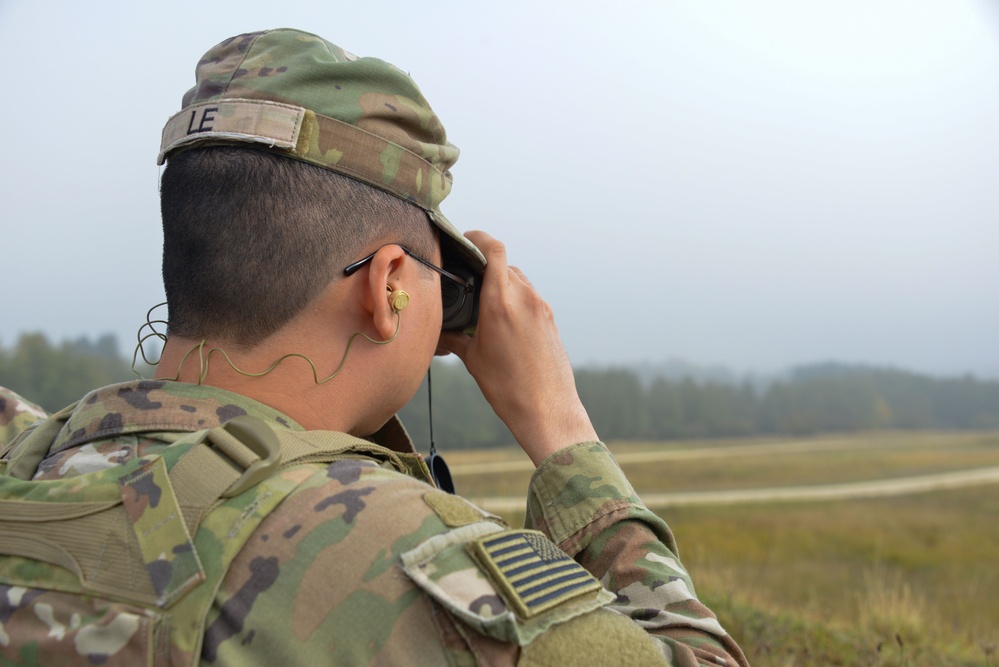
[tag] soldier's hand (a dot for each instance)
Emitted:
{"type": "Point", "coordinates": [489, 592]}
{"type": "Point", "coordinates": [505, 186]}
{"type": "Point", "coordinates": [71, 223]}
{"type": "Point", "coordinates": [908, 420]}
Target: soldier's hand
{"type": "Point", "coordinates": [517, 358]}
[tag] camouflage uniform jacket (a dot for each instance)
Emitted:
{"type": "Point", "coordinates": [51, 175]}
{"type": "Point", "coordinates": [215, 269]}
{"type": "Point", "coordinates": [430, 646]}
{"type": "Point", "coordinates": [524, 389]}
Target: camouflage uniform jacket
{"type": "Point", "coordinates": [361, 564]}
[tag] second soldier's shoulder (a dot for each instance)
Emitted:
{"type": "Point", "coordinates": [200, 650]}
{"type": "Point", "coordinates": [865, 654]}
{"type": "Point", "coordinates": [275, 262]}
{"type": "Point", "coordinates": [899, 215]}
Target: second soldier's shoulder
{"type": "Point", "coordinates": [16, 414]}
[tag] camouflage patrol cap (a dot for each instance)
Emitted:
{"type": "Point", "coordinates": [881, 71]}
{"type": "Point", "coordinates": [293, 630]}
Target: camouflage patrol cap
{"type": "Point", "coordinates": [296, 94]}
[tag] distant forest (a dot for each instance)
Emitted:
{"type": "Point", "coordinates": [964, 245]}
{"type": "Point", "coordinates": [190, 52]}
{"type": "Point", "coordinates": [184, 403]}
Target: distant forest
{"type": "Point", "coordinates": [624, 403]}
{"type": "Point", "coordinates": [819, 398]}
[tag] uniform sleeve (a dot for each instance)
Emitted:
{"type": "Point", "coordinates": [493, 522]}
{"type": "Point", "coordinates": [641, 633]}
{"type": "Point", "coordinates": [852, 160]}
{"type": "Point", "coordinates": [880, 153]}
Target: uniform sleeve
{"type": "Point", "coordinates": [581, 499]}
{"type": "Point", "coordinates": [363, 565]}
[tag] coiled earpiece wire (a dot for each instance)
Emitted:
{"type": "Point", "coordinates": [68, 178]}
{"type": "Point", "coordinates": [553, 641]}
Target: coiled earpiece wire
{"type": "Point", "coordinates": [204, 358]}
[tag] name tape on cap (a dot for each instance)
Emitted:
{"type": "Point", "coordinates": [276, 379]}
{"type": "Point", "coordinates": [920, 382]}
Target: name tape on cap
{"type": "Point", "coordinates": [252, 121]}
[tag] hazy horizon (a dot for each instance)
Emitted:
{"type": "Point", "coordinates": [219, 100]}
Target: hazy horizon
{"type": "Point", "coordinates": [755, 186]}
{"type": "Point", "coordinates": [672, 368]}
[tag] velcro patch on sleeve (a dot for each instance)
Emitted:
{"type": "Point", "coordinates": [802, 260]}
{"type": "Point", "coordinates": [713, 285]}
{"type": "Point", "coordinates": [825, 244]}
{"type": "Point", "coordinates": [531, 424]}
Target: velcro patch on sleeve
{"type": "Point", "coordinates": [453, 510]}
{"type": "Point", "coordinates": [530, 572]}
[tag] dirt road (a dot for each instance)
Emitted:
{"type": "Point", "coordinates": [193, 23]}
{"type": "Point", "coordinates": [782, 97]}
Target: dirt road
{"type": "Point", "coordinates": [869, 489]}
{"type": "Point", "coordinates": [762, 449]}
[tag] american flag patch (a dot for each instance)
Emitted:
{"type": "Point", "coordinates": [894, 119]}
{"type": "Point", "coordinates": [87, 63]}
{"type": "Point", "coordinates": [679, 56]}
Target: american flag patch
{"type": "Point", "coordinates": [531, 573]}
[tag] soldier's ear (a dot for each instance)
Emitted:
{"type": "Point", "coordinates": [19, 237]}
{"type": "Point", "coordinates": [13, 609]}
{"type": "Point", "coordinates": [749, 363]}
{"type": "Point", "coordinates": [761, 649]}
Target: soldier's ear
{"type": "Point", "coordinates": [384, 277]}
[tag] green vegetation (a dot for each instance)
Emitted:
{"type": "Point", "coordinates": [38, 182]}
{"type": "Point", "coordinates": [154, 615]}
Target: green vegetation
{"type": "Point", "coordinates": [53, 376]}
{"type": "Point", "coordinates": [816, 399]}
{"type": "Point", "coordinates": [623, 404]}
{"type": "Point", "coordinates": [910, 580]}
{"type": "Point", "coordinates": [901, 581]}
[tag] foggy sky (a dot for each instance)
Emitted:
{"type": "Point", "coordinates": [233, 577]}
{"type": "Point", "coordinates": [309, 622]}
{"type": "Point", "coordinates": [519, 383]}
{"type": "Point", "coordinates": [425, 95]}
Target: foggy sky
{"type": "Point", "coordinates": [752, 184]}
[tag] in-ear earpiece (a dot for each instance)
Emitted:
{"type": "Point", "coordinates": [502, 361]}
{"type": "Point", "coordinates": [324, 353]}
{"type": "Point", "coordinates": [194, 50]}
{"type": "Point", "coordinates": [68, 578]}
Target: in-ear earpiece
{"type": "Point", "coordinates": [398, 299]}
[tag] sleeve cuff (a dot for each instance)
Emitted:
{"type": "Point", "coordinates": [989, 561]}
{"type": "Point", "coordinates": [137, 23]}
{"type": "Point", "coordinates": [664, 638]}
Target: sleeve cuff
{"type": "Point", "coordinates": [575, 487]}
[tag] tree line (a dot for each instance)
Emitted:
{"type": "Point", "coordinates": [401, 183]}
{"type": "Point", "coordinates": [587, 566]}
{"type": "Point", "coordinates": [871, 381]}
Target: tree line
{"type": "Point", "coordinates": [623, 403]}
{"type": "Point", "coordinates": [819, 398]}
{"type": "Point", "coordinates": [55, 375]}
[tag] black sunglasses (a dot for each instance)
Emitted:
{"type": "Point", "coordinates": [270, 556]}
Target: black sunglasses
{"type": "Point", "coordinates": [460, 311]}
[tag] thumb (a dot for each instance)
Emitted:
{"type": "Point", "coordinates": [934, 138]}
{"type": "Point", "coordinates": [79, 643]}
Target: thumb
{"type": "Point", "coordinates": [455, 342]}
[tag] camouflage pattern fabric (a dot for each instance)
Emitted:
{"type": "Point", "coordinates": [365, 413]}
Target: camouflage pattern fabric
{"type": "Point", "coordinates": [296, 94]}
{"type": "Point", "coordinates": [361, 564]}
{"type": "Point", "coordinates": [16, 414]}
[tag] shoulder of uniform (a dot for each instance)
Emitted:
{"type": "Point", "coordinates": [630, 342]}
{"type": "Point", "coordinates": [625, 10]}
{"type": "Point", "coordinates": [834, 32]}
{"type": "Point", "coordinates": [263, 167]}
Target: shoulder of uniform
{"type": "Point", "coordinates": [356, 495]}
{"type": "Point", "coordinates": [512, 585]}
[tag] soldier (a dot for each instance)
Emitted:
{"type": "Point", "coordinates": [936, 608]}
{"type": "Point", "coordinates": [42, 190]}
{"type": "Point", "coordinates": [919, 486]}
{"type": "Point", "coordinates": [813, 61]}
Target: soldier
{"type": "Point", "coordinates": [309, 274]}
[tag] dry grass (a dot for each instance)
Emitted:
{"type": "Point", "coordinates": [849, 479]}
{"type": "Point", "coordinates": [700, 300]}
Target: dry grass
{"type": "Point", "coordinates": [810, 468]}
{"type": "Point", "coordinates": [914, 576]}
{"type": "Point", "coordinates": [863, 457]}
{"type": "Point", "coordinates": [888, 604]}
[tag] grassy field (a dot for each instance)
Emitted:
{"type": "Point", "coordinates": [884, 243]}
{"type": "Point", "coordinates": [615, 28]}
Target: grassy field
{"type": "Point", "coordinates": [910, 580]}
